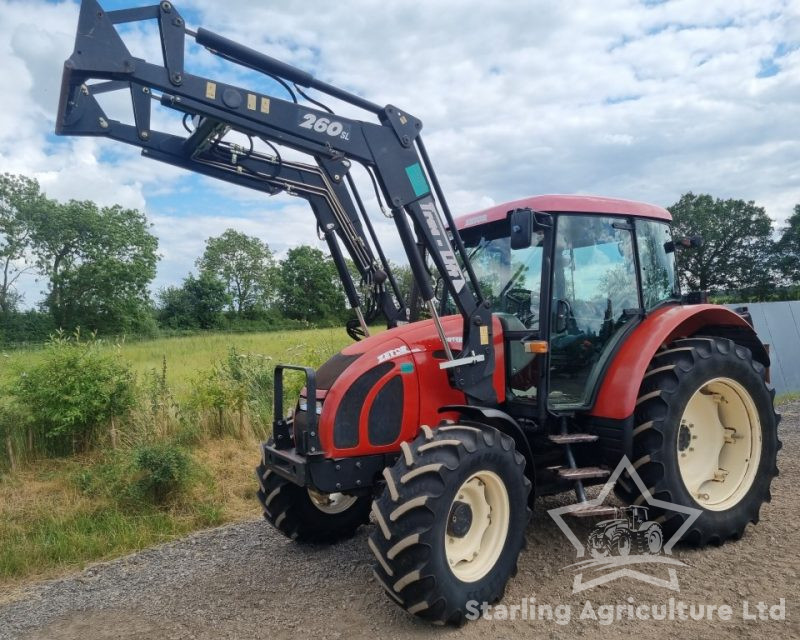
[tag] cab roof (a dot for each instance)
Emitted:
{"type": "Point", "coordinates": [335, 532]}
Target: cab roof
{"type": "Point", "coordinates": [565, 203]}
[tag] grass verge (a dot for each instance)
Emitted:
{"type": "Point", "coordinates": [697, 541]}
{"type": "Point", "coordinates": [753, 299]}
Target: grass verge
{"type": "Point", "coordinates": [56, 515]}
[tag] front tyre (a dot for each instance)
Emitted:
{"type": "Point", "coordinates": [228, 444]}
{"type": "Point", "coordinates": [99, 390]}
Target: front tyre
{"type": "Point", "coordinates": [451, 522]}
{"type": "Point", "coordinates": [706, 438]}
{"type": "Point", "coordinates": [598, 545]}
{"type": "Point", "coordinates": [622, 543]}
{"type": "Point", "coordinates": [306, 515]}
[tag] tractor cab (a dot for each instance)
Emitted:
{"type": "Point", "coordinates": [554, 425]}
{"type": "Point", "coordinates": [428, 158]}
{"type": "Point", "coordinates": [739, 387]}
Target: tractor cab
{"type": "Point", "coordinates": [612, 261]}
{"type": "Point", "coordinates": [637, 515]}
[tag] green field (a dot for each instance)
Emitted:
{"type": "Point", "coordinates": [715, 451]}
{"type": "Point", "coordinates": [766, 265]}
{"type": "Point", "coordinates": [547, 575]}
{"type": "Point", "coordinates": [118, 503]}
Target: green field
{"type": "Point", "coordinates": [188, 355]}
{"type": "Point", "coordinates": [57, 514]}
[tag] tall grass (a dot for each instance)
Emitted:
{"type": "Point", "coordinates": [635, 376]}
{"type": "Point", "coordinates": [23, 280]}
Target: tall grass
{"type": "Point", "coordinates": [208, 395]}
{"type": "Point", "coordinates": [194, 387]}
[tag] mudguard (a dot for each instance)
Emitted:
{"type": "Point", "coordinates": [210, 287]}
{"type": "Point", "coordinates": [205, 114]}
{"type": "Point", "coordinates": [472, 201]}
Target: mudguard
{"type": "Point", "coordinates": [616, 398]}
{"type": "Point", "coordinates": [503, 423]}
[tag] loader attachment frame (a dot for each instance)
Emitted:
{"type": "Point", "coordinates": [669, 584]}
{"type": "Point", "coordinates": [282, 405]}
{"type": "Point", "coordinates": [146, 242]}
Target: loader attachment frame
{"type": "Point", "coordinates": [391, 149]}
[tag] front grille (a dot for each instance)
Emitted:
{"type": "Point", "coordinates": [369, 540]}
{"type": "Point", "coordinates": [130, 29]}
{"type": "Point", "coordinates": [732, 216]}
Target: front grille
{"type": "Point", "coordinates": [386, 413]}
{"type": "Point", "coordinates": [300, 429]}
{"type": "Point", "coordinates": [345, 427]}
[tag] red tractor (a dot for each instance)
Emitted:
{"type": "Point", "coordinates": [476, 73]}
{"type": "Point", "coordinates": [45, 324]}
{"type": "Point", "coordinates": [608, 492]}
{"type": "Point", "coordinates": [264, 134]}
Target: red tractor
{"type": "Point", "coordinates": [557, 340]}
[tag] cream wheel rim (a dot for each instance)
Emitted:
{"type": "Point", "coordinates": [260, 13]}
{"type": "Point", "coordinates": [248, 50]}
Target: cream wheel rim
{"type": "Point", "coordinates": [473, 553]}
{"type": "Point", "coordinates": [719, 444]}
{"type": "Point", "coordinates": [331, 503]}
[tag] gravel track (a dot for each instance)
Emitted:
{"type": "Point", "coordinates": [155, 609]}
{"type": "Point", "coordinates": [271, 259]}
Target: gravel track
{"type": "Point", "coordinates": [246, 581]}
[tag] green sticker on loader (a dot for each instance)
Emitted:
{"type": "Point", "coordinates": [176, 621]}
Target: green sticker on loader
{"type": "Point", "coordinates": [417, 179]}
{"type": "Point", "coordinates": [406, 367]}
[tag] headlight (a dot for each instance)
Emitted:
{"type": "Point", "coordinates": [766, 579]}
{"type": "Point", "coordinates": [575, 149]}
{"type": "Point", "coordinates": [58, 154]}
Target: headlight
{"type": "Point", "coordinates": [304, 406]}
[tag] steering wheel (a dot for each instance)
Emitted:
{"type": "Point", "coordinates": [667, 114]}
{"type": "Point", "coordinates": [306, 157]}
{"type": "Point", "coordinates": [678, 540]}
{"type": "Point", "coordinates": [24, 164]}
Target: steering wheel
{"type": "Point", "coordinates": [518, 302]}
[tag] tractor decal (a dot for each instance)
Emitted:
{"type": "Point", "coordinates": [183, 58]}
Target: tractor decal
{"type": "Point", "coordinates": [629, 532]}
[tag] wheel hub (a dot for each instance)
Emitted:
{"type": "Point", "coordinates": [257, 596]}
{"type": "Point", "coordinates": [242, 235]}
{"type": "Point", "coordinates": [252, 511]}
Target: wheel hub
{"type": "Point", "coordinates": [331, 503]}
{"type": "Point", "coordinates": [719, 444]}
{"type": "Point", "coordinates": [684, 437]}
{"type": "Point", "coordinates": [477, 526]}
{"type": "Point", "coordinates": [460, 520]}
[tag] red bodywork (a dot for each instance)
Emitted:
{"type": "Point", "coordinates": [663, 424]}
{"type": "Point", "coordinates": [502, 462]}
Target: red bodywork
{"type": "Point", "coordinates": [425, 387]}
{"type": "Point", "coordinates": [415, 350]}
{"type": "Point", "coordinates": [566, 204]}
{"type": "Point", "coordinates": [620, 387]}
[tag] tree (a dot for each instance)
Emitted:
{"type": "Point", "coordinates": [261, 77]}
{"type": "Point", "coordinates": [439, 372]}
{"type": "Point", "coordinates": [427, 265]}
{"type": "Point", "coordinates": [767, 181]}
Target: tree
{"type": "Point", "coordinates": [738, 249]}
{"type": "Point", "coordinates": [788, 249]}
{"type": "Point", "coordinates": [98, 261]}
{"type": "Point", "coordinates": [245, 264]}
{"type": "Point", "coordinates": [405, 280]}
{"type": "Point", "coordinates": [198, 303]}
{"type": "Point", "coordinates": [19, 197]}
{"type": "Point", "coordinates": [308, 286]}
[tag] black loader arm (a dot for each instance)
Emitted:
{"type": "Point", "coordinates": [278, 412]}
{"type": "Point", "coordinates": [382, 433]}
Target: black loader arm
{"type": "Point", "coordinates": [391, 149]}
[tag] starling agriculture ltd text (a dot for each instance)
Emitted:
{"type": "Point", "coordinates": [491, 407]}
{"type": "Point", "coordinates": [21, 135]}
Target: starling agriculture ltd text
{"type": "Point", "coordinates": [606, 614]}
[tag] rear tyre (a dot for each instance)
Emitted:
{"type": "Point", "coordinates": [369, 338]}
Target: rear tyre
{"type": "Point", "coordinates": [653, 539]}
{"type": "Point", "coordinates": [706, 437]}
{"type": "Point", "coordinates": [305, 515]}
{"type": "Point", "coordinates": [451, 522]}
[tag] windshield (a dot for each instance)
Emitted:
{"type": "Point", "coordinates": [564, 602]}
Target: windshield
{"type": "Point", "coordinates": [510, 279]}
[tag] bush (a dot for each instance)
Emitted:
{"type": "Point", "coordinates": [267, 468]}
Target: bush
{"type": "Point", "coordinates": [132, 479]}
{"type": "Point", "coordinates": [241, 383]}
{"type": "Point", "coordinates": [160, 472]}
{"type": "Point", "coordinates": [73, 392]}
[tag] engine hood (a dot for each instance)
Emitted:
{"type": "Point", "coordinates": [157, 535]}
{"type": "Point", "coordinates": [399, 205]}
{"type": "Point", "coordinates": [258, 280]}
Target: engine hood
{"type": "Point", "coordinates": [377, 392]}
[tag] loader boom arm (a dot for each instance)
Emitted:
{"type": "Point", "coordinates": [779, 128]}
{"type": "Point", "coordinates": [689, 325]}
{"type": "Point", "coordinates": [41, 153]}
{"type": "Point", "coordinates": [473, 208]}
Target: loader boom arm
{"type": "Point", "coordinates": [391, 149]}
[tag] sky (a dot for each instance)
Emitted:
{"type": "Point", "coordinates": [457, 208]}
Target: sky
{"type": "Point", "coordinates": [643, 100]}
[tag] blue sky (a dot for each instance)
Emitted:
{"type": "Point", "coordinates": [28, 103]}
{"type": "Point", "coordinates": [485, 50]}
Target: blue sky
{"type": "Point", "coordinates": [642, 100]}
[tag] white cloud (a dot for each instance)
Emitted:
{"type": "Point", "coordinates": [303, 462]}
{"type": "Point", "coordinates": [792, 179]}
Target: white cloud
{"type": "Point", "coordinates": [621, 98]}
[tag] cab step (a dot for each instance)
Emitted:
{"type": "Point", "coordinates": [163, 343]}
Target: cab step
{"type": "Point", "coordinates": [583, 473]}
{"type": "Point", "coordinates": [573, 438]}
{"type": "Point", "coordinates": [590, 511]}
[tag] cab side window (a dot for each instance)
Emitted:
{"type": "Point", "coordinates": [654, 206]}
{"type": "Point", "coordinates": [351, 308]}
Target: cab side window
{"type": "Point", "coordinates": [656, 263]}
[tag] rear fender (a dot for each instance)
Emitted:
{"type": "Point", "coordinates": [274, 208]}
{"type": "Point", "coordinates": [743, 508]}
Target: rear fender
{"type": "Point", "coordinates": [619, 389]}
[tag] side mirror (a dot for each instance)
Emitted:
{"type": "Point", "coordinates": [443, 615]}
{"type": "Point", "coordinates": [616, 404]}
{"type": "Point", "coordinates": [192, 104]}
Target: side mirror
{"type": "Point", "coordinates": [562, 315]}
{"type": "Point", "coordinates": [695, 242]}
{"type": "Point", "coordinates": [521, 228]}
{"type": "Point", "coordinates": [439, 290]}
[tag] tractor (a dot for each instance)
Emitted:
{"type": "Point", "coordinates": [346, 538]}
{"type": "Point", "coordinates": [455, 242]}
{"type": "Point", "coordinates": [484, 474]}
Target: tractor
{"type": "Point", "coordinates": [629, 531]}
{"type": "Point", "coordinates": [545, 339]}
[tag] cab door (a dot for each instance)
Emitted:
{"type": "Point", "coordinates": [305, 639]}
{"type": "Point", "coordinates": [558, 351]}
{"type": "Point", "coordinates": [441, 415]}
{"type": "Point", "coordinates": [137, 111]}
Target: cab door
{"type": "Point", "coordinates": [595, 295]}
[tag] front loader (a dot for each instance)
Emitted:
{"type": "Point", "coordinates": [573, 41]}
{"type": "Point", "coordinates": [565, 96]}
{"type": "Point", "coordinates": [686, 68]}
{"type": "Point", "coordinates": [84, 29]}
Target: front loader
{"type": "Point", "coordinates": [557, 344]}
